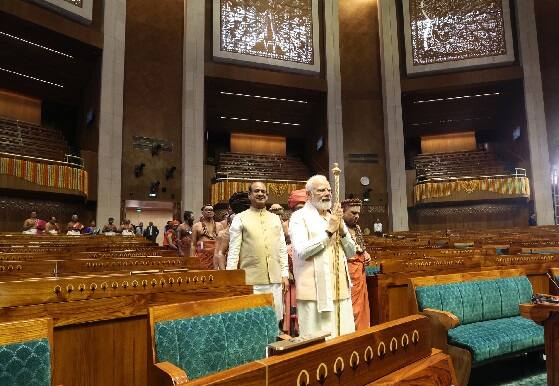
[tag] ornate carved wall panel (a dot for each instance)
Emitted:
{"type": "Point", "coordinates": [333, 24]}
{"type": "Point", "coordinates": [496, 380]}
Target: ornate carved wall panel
{"type": "Point", "coordinates": [81, 10]}
{"type": "Point", "coordinates": [282, 33]}
{"type": "Point", "coordinates": [450, 34]}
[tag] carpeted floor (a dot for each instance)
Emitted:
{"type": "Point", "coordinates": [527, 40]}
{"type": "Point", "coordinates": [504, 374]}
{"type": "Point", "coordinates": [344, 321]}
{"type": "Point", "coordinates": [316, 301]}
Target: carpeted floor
{"type": "Point", "coordinates": [526, 370]}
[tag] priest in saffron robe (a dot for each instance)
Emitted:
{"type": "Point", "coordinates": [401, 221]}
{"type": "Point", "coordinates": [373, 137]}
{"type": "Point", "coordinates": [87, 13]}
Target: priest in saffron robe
{"type": "Point", "coordinates": [357, 264]}
{"type": "Point", "coordinates": [204, 234]}
{"type": "Point", "coordinates": [296, 201]}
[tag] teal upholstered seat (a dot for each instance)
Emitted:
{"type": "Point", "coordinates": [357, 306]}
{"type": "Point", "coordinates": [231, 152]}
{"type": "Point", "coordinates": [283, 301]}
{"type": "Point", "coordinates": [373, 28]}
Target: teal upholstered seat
{"type": "Point", "coordinates": [207, 344]}
{"type": "Point", "coordinates": [494, 338]}
{"type": "Point", "coordinates": [488, 310]}
{"type": "Point", "coordinates": [25, 363]}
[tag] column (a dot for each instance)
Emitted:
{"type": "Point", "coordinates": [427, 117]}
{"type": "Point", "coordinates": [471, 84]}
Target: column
{"type": "Point", "coordinates": [535, 113]}
{"type": "Point", "coordinates": [392, 109]}
{"type": "Point", "coordinates": [334, 82]}
{"type": "Point", "coordinates": [193, 105]}
{"type": "Point", "coordinates": [111, 112]}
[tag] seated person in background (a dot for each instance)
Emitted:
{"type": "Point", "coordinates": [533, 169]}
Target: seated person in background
{"type": "Point", "coordinates": [127, 229]}
{"type": "Point", "coordinates": [52, 227]}
{"type": "Point", "coordinates": [75, 227]}
{"type": "Point", "coordinates": [171, 235]}
{"type": "Point", "coordinates": [151, 232]}
{"type": "Point", "coordinates": [30, 225]}
{"type": "Point", "coordinates": [110, 227]}
{"type": "Point", "coordinates": [41, 224]}
{"type": "Point", "coordinates": [92, 229]}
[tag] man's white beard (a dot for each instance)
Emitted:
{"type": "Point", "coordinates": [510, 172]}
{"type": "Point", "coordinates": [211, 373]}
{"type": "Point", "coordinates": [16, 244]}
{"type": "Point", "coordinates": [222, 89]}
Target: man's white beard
{"type": "Point", "coordinates": [322, 205]}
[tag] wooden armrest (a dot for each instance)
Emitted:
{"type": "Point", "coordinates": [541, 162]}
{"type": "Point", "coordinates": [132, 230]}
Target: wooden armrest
{"type": "Point", "coordinates": [177, 376]}
{"type": "Point", "coordinates": [447, 319]}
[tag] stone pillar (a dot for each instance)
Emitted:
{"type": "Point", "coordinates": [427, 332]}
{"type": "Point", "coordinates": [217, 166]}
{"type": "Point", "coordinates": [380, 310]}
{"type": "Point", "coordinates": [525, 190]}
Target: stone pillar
{"type": "Point", "coordinates": [535, 113]}
{"type": "Point", "coordinates": [392, 109]}
{"type": "Point", "coordinates": [111, 112]}
{"type": "Point", "coordinates": [193, 106]}
{"type": "Point", "coordinates": [334, 81]}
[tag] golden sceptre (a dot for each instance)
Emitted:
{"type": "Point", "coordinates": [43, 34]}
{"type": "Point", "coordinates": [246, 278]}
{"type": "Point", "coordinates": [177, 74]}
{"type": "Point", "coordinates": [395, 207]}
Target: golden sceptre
{"type": "Point", "coordinates": [336, 173]}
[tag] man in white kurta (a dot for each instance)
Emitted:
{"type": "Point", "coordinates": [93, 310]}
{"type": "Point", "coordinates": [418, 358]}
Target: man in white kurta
{"type": "Point", "coordinates": [257, 245]}
{"type": "Point", "coordinates": [322, 283]}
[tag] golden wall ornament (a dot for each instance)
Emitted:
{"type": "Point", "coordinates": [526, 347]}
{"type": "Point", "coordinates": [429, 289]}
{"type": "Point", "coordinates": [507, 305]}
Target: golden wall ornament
{"type": "Point", "coordinates": [446, 34]}
{"type": "Point", "coordinates": [282, 33]}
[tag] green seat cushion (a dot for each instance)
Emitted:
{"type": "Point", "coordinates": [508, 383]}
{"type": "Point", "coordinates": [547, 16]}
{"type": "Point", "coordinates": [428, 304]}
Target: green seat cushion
{"type": "Point", "coordinates": [477, 300]}
{"type": "Point", "coordinates": [25, 364]}
{"type": "Point", "coordinates": [211, 343]}
{"type": "Point", "coordinates": [493, 338]}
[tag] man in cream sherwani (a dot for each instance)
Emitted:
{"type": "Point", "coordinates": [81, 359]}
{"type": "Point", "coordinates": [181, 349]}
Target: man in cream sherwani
{"type": "Point", "coordinates": [312, 230]}
{"type": "Point", "coordinates": [257, 245]}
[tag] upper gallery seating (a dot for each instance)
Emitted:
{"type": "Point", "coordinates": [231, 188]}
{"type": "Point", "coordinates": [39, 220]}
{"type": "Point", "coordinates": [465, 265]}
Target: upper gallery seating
{"type": "Point", "coordinates": [24, 138]}
{"type": "Point", "coordinates": [459, 164]}
{"type": "Point", "coordinates": [261, 166]}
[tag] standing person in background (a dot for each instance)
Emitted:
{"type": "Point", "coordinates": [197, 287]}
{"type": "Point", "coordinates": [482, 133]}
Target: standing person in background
{"type": "Point", "coordinates": [204, 234]}
{"type": "Point", "coordinates": [151, 232]}
{"type": "Point", "coordinates": [184, 234]}
{"type": "Point", "coordinates": [377, 228]}
{"type": "Point", "coordinates": [171, 235]}
{"type": "Point", "coordinates": [140, 229]}
{"type": "Point", "coordinates": [238, 202]}
{"type": "Point", "coordinates": [357, 264]}
{"type": "Point", "coordinates": [296, 201]}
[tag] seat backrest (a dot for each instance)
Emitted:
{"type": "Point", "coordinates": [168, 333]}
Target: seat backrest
{"type": "Point", "coordinates": [477, 300]}
{"type": "Point", "coordinates": [25, 353]}
{"type": "Point", "coordinates": [209, 336]}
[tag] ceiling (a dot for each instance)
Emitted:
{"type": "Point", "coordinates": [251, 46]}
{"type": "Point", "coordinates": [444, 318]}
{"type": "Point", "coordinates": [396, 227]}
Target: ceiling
{"type": "Point", "coordinates": [465, 109]}
{"type": "Point", "coordinates": [28, 49]}
{"type": "Point", "coordinates": [261, 109]}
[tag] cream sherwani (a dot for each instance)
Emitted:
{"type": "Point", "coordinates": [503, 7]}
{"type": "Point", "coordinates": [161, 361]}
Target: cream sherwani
{"type": "Point", "coordinates": [257, 245]}
{"type": "Point", "coordinates": [315, 273]}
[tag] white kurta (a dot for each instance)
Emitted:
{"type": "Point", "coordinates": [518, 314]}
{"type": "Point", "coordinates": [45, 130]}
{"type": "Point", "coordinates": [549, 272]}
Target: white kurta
{"type": "Point", "coordinates": [317, 307]}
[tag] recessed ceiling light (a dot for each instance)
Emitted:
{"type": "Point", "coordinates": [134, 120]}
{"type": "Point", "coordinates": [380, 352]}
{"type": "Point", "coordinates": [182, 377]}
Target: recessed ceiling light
{"type": "Point", "coordinates": [30, 77]}
{"type": "Point", "coordinates": [35, 44]}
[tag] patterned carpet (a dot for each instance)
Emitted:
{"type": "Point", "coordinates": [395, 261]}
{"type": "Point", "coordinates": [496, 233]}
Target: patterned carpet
{"type": "Point", "coordinates": [526, 370]}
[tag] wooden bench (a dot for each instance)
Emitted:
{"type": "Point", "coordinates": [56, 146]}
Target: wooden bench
{"type": "Point", "coordinates": [103, 318]}
{"type": "Point", "coordinates": [399, 351]}
{"type": "Point", "coordinates": [26, 350]}
{"type": "Point", "coordinates": [475, 316]}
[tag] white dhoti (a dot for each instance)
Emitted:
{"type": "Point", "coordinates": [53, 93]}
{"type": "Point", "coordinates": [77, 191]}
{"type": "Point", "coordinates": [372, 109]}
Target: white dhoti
{"type": "Point", "coordinates": [276, 291]}
{"type": "Point", "coordinates": [312, 322]}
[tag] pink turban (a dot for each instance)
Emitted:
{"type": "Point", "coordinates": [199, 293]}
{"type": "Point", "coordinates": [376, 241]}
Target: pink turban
{"type": "Point", "coordinates": [296, 197]}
